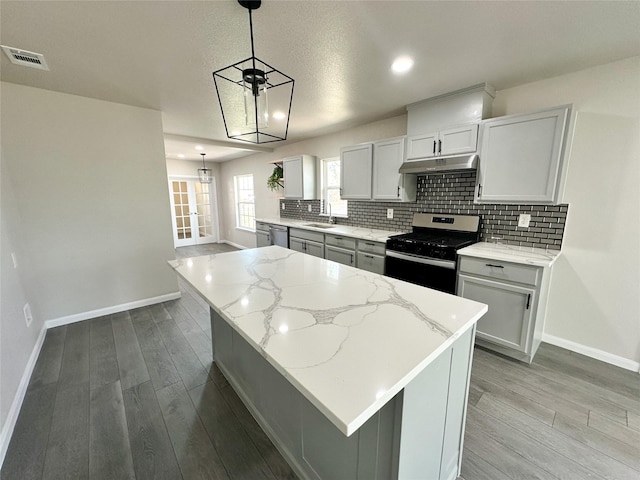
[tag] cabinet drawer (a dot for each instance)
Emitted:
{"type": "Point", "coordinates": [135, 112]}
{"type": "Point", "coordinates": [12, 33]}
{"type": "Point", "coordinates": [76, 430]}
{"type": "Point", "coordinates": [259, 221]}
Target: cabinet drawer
{"type": "Point", "coordinates": [262, 226]}
{"type": "Point", "coordinates": [306, 235]}
{"type": "Point", "coordinates": [376, 248]}
{"type": "Point", "coordinates": [340, 241]}
{"type": "Point", "coordinates": [510, 272]}
{"type": "Point", "coordinates": [371, 263]}
{"type": "Point", "coordinates": [340, 255]}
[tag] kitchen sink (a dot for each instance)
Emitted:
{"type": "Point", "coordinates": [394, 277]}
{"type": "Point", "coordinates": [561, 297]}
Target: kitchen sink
{"type": "Point", "coordinates": [319, 225]}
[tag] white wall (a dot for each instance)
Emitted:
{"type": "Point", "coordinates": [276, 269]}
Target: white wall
{"type": "Point", "coordinates": [260, 165]}
{"type": "Point", "coordinates": [595, 290]}
{"type": "Point", "coordinates": [87, 214]}
{"type": "Point", "coordinates": [16, 340]}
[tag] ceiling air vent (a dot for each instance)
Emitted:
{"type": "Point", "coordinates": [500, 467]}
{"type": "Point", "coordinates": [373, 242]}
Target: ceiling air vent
{"type": "Point", "coordinates": [25, 58]}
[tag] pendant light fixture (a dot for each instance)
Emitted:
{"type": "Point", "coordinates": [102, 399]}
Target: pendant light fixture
{"type": "Point", "coordinates": [204, 173]}
{"type": "Point", "coordinates": [242, 90]}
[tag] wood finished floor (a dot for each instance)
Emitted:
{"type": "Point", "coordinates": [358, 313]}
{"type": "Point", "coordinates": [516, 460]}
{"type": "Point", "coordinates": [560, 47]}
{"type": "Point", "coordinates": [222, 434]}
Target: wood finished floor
{"type": "Point", "coordinates": [135, 396]}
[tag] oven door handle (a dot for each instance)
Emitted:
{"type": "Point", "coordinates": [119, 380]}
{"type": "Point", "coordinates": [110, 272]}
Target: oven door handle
{"type": "Point", "coordinates": [449, 264]}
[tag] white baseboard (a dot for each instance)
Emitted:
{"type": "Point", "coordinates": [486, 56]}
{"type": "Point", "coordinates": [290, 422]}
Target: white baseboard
{"type": "Point", "coordinates": [237, 245]}
{"type": "Point", "coordinates": [12, 416]}
{"type": "Point", "coordinates": [601, 355]}
{"type": "Point", "coordinates": [78, 317]}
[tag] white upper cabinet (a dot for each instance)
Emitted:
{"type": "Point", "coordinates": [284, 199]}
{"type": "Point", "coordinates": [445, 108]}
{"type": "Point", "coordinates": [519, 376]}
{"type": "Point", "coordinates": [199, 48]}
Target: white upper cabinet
{"type": "Point", "coordinates": [356, 168]}
{"type": "Point", "coordinates": [451, 141]}
{"type": "Point", "coordinates": [458, 140]}
{"type": "Point", "coordinates": [521, 156]}
{"type": "Point", "coordinates": [388, 184]}
{"type": "Point", "coordinates": [422, 146]}
{"type": "Point", "coordinates": [299, 175]}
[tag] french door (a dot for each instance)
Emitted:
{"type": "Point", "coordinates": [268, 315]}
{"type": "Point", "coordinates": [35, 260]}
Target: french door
{"type": "Point", "coordinates": [193, 208]}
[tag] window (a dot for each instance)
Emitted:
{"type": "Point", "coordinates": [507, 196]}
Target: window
{"type": "Point", "coordinates": [245, 202]}
{"type": "Point", "coordinates": [331, 188]}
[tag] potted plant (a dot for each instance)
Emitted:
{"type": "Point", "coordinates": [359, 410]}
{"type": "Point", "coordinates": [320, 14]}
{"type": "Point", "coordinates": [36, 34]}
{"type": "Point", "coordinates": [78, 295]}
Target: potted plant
{"type": "Point", "coordinates": [275, 180]}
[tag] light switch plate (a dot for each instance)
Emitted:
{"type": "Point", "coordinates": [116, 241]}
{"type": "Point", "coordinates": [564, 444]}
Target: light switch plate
{"type": "Point", "coordinates": [389, 213]}
{"type": "Point", "coordinates": [283, 206]}
{"type": "Point", "coordinates": [309, 208]}
{"type": "Point", "coordinates": [524, 219]}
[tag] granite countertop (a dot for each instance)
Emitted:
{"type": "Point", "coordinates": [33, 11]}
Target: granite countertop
{"type": "Point", "coordinates": [345, 230]}
{"type": "Point", "coordinates": [511, 253]}
{"type": "Point", "coordinates": [347, 339]}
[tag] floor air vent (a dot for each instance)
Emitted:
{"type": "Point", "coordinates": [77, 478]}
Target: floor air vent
{"type": "Point", "coordinates": [25, 58]}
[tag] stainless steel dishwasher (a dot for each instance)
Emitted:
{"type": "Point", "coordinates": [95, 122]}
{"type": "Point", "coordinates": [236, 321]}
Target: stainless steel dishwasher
{"type": "Point", "coordinates": [279, 235]}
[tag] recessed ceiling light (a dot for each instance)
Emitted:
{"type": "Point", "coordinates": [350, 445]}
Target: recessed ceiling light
{"type": "Point", "coordinates": [278, 115]}
{"type": "Point", "coordinates": [402, 64]}
{"type": "Point", "coordinates": [180, 155]}
{"type": "Point", "coordinates": [199, 147]}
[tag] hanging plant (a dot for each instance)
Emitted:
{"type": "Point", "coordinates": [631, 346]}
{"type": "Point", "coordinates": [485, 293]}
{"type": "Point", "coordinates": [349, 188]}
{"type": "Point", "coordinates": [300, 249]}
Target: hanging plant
{"type": "Point", "coordinates": [274, 181]}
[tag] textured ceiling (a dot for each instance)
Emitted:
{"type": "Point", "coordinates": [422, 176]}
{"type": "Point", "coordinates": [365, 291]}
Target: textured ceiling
{"type": "Point", "coordinates": [160, 54]}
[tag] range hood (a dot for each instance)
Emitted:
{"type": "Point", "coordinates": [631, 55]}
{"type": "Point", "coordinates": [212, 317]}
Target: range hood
{"type": "Point", "coordinates": [440, 164]}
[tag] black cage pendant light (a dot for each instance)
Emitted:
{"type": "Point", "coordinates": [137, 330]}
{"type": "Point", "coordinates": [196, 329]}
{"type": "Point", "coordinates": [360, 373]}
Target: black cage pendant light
{"type": "Point", "coordinates": [204, 173]}
{"type": "Point", "coordinates": [243, 89]}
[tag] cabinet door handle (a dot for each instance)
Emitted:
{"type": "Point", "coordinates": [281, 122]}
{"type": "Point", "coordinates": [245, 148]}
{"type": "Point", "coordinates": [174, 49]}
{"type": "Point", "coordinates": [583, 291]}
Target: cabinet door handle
{"type": "Point", "coordinates": [351, 256]}
{"type": "Point", "coordinates": [528, 302]}
{"type": "Point", "coordinates": [398, 194]}
{"type": "Point", "coordinates": [369, 256]}
{"type": "Point", "coordinates": [439, 146]}
{"type": "Point", "coordinates": [479, 190]}
{"type": "Point", "coordinates": [434, 147]}
{"type": "Point", "coordinates": [495, 266]}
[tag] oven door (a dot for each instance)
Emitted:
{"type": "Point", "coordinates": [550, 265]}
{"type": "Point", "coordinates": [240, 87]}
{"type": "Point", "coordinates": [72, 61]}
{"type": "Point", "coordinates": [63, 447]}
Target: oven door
{"type": "Point", "coordinates": [428, 272]}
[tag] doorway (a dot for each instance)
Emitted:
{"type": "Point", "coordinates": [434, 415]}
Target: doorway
{"type": "Point", "coordinates": [193, 211]}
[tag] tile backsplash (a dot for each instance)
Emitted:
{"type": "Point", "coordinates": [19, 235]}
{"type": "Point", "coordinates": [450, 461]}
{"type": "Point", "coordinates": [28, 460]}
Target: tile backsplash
{"type": "Point", "coordinates": [449, 193]}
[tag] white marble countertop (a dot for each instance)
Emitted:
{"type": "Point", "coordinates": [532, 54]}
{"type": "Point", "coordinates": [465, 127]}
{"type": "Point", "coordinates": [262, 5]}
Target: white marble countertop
{"type": "Point", "coordinates": [511, 253]}
{"type": "Point", "coordinates": [347, 339]}
{"type": "Point", "coordinates": [362, 233]}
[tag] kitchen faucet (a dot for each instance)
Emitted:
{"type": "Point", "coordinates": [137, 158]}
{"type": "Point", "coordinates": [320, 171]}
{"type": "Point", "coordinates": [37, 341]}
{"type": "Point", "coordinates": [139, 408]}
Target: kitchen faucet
{"type": "Point", "coordinates": [331, 219]}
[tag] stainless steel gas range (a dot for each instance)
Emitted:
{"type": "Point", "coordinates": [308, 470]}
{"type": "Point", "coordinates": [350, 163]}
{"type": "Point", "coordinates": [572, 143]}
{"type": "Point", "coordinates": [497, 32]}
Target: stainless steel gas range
{"type": "Point", "coordinates": [427, 256]}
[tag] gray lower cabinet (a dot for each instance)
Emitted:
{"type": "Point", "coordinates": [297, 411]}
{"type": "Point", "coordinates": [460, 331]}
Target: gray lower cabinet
{"type": "Point", "coordinates": [371, 256]}
{"type": "Point", "coordinates": [263, 239]}
{"type": "Point", "coordinates": [306, 241]}
{"type": "Point", "coordinates": [508, 321]}
{"type": "Point", "coordinates": [416, 435]}
{"type": "Point", "coordinates": [516, 295]}
{"type": "Point", "coordinates": [340, 249]}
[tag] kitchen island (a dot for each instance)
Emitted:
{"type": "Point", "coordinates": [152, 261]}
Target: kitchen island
{"type": "Point", "coordinates": [353, 375]}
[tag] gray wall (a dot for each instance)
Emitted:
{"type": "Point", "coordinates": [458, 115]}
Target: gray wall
{"type": "Point", "coordinates": [87, 214]}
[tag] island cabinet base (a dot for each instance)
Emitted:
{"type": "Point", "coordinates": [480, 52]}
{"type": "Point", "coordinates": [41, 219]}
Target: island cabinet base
{"type": "Point", "coordinates": [416, 435]}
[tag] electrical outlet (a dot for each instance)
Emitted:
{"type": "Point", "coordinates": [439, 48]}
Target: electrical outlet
{"type": "Point", "coordinates": [28, 317]}
{"type": "Point", "coordinates": [309, 208]}
{"type": "Point", "coordinates": [524, 219]}
{"type": "Point", "coordinates": [283, 205]}
{"type": "Point", "coordinates": [389, 213]}
{"type": "Point", "coordinates": [15, 260]}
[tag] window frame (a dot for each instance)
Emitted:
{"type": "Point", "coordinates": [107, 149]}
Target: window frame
{"type": "Point", "coordinates": [324, 189]}
{"type": "Point", "coordinates": [237, 179]}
